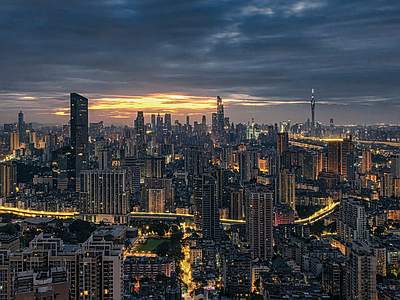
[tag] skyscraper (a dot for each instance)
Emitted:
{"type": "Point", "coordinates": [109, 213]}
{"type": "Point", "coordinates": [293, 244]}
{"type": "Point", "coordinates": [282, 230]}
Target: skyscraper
{"type": "Point", "coordinates": [79, 136]}
{"type": "Point", "coordinates": [168, 123]}
{"type": "Point", "coordinates": [8, 179]}
{"type": "Point", "coordinates": [259, 222]}
{"type": "Point", "coordinates": [287, 189]}
{"type": "Point", "coordinates": [154, 166]}
{"type": "Point", "coordinates": [140, 138]}
{"type": "Point", "coordinates": [244, 166]}
{"type": "Point", "coordinates": [14, 141]}
{"type": "Point", "coordinates": [360, 278]}
{"type": "Point", "coordinates": [337, 155]}
{"type": "Point", "coordinates": [220, 114]}
{"type": "Point", "coordinates": [194, 161]}
{"type": "Point", "coordinates": [282, 142]}
{"type": "Point", "coordinates": [312, 113]}
{"type": "Point", "coordinates": [236, 205]}
{"type": "Point", "coordinates": [206, 213]}
{"type": "Point", "coordinates": [366, 165]}
{"type": "Point", "coordinates": [21, 123]}
{"type": "Point", "coordinates": [352, 223]}
{"type": "Point", "coordinates": [159, 123]}
{"type": "Point", "coordinates": [104, 195]}
{"type": "Point", "coordinates": [157, 200]}
{"type": "Point", "coordinates": [153, 122]}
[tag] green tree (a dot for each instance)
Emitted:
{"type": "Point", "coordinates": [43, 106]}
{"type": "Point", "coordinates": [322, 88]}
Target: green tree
{"type": "Point", "coordinates": [163, 249]}
{"type": "Point", "coordinates": [379, 230]}
{"type": "Point", "coordinates": [9, 229]}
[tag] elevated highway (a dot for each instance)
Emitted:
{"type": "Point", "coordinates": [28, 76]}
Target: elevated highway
{"type": "Point", "coordinates": [319, 215]}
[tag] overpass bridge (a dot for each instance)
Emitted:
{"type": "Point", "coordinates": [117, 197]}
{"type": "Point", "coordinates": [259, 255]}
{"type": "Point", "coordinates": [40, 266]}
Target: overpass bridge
{"type": "Point", "coordinates": [319, 215]}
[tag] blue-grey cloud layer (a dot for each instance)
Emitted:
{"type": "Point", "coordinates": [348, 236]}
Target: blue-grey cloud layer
{"type": "Point", "coordinates": [347, 50]}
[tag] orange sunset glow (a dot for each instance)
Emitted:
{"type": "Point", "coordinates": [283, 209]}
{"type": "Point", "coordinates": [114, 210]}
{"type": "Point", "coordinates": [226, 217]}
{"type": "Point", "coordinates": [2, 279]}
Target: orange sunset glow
{"type": "Point", "coordinates": [123, 107]}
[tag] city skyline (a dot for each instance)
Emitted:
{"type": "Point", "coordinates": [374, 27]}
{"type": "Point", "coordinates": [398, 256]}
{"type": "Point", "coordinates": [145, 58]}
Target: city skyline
{"type": "Point", "coordinates": [262, 58]}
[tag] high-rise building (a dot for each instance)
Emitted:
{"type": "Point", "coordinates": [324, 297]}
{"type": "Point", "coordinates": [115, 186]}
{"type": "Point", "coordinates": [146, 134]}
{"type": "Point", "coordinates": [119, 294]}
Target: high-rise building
{"type": "Point", "coordinates": [21, 123]}
{"type": "Point", "coordinates": [204, 123]}
{"type": "Point", "coordinates": [214, 123]}
{"type": "Point", "coordinates": [8, 179]}
{"type": "Point", "coordinates": [333, 278]}
{"type": "Point", "coordinates": [395, 164]}
{"type": "Point", "coordinates": [206, 214]}
{"type": "Point", "coordinates": [62, 168]}
{"type": "Point", "coordinates": [380, 252]}
{"type": "Point", "coordinates": [352, 222]}
{"type": "Point", "coordinates": [105, 159]}
{"type": "Point", "coordinates": [350, 170]}
{"type": "Point", "coordinates": [92, 271]}
{"type": "Point", "coordinates": [244, 167]}
{"type": "Point", "coordinates": [168, 123]}
{"type": "Point", "coordinates": [220, 115]}
{"type": "Point", "coordinates": [14, 141]}
{"type": "Point", "coordinates": [366, 164]}
{"type": "Point", "coordinates": [337, 154]}
{"type": "Point", "coordinates": [104, 195]}
{"type": "Point", "coordinates": [154, 166]}
{"type": "Point", "coordinates": [194, 161]}
{"type": "Point", "coordinates": [236, 274]}
{"type": "Point", "coordinates": [153, 122]}
{"type": "Point", "coordinates": [140, 135]}
{"type": "Point", "coordinates": [259, 221]}
{"type": "Point", "coordinates": [322, 162]}
{"type": "Point", "coordinates": [152, 185]}
{"type": "Point", "coordinates": [361, 272]}
{"type": "Point", "coordinates": [331, 124]}
{"type": "Point", "coordinates": [237, 204]}
{"type": "Point", "coordinates": [310, 166]}
{"type": "Point", "coordinates": [156, 200]}
{"type": "Point", "coordinates": [218, 175]}
{"type": "Point", "coordinates": [160, 123]}
{"type": "Point", "coordinates": [133, 167]}
{"type": "Point", "coordinates": [79, 136]}
{"type": "Point", "coordinates": [227, 157]}
{"type": "Point", "coordinates": [387, 185]}
{"type": "Point", "coordinates": [282, 142]}
{"type": "Point", "coordinates": [286, 189]}
{"type": "Point", "coordinates": [312, 113]}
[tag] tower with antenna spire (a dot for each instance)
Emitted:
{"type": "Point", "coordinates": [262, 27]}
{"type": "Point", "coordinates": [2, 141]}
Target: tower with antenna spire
{"type": "Point", "coordinates": [312, 113]}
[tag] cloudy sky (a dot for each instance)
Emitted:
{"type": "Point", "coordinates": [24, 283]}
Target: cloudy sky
{"type": "Point", "coordinates": [261, 57]}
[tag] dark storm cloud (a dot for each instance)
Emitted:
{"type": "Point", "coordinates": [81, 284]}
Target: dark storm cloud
{"type": "Point", "coordinates": [259, 52]}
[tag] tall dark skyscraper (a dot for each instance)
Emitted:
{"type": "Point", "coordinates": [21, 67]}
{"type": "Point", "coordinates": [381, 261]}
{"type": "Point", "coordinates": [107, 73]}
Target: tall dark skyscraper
{"type": "Point", "coordinates": [20, 122]}
{"type": "Point", "coordinates": [220, 118]}
{"type": "Point", "coordinates": [168, 123]}
{"type": "Point", "coordinates": [140, 132]}
{"type": "Point", "coordinates": [153, 122]}
{"type": "Point", "coordinates": [79, 136]}
{"type": "Point", "coordinates": [206, 213]}
{"type": "Point", "coordinates": [312, 113]}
